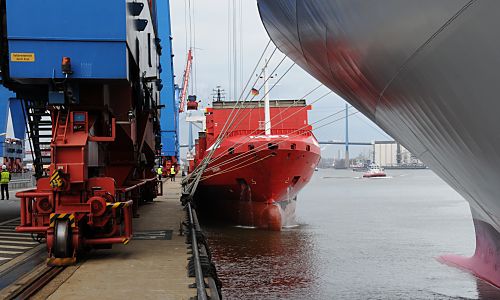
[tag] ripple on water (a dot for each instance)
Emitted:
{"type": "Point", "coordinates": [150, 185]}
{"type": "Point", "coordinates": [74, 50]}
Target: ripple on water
{"type": "Point", "coordinates": [357, 239]}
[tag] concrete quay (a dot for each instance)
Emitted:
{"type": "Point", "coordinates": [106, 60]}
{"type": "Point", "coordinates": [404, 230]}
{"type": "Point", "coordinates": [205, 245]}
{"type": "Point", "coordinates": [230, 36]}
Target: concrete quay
{"type": "Point", "coordinates": [152, 266]}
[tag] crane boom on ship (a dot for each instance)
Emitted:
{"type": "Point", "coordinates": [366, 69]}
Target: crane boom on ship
{"type": "Point", "coordinates": [185, 80]}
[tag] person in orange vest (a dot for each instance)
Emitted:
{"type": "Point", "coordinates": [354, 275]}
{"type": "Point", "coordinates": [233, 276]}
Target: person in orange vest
{"type": "Point", "coordinates": [4, 181]}
{"type": "Point", "coordinates": [172, 173]}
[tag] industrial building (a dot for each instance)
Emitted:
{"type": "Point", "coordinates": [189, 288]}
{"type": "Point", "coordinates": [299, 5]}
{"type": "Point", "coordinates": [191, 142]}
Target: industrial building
{"type": "Point", "coordinates": [391, 154]}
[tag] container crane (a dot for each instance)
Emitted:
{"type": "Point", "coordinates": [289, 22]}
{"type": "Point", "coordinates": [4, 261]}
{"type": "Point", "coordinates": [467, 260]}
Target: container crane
{"type": "Point", "coordinates": [92, 104]}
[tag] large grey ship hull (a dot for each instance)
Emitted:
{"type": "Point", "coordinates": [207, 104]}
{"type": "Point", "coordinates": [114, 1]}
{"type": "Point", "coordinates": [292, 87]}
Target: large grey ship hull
{"type": "Point", "coordinates": [424, 71]}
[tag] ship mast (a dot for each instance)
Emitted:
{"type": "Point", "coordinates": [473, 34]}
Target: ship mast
{"type": "Point", "coordinates": [267, 109]}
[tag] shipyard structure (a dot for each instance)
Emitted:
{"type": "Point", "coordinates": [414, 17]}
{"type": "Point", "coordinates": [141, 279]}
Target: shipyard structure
{"type": "Point", "coordinates": [92, 80]}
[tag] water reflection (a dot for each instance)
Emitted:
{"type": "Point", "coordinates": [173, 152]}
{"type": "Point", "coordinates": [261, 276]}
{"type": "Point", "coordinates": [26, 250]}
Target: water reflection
{"type": "Point", "coordinates": [364, 239]}
{"type": "Point", "coordinates": [258, 264]}
{"type": "Point", "coordinates": [486, 291]}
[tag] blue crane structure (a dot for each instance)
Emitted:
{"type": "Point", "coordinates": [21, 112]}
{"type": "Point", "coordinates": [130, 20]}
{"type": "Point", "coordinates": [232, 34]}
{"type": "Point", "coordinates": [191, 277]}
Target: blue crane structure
{"type": "Point", "coordinates": [96, 85]}
{"type": "Point", "coordinates": [169, 114]}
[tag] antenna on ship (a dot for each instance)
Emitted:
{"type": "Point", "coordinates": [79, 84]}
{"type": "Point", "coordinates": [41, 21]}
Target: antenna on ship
{"type": "Point", "coordinates": [267, 108]}
{"type": "Point", "coordinates": [218, 94]}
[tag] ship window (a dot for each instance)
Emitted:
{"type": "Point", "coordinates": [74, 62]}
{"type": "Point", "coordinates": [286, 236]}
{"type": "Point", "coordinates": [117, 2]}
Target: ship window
{"type": "Point", "coordinates": [308, 148]}
{"type": "Point", "coordinates": [295, 180]}
{"type": "Point", "coordinates": [272, 146]}
{"type": "Point", "coordinates": [230, 150]}
{"type": "Point", "coordinates": [251, 147]}
{"type": "Point", "coordinates": [293, 146]}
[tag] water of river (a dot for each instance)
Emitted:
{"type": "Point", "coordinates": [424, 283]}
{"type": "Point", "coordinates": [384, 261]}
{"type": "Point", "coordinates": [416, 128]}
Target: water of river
{"type": "Point", "coordinates": [356, 239]}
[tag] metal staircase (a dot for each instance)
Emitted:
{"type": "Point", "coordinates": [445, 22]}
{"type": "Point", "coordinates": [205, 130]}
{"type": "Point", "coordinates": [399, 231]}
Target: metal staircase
{"type": "Point", "coordinates": [39, 124]}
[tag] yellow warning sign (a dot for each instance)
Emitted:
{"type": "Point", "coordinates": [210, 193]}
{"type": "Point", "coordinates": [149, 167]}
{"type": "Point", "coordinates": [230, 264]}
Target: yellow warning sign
{"type": "Point", "coordinates": [69, 217]}
{"type": "Point", "coordinates": [22, 57]}
{"type": "Point", "coordinates": [55, 180]}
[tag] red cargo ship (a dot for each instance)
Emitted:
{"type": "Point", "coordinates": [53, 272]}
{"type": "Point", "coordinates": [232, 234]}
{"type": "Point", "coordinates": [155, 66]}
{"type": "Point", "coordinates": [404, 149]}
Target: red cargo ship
{"type": "Point", "coordinates": [257, 171]}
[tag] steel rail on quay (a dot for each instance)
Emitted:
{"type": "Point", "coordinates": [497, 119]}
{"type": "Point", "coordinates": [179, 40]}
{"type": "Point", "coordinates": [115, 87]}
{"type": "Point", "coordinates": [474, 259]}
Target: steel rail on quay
{"type": "Point", "coordinates": [200, 264]}
{"type": "Point", "coordinates": [35, 284]}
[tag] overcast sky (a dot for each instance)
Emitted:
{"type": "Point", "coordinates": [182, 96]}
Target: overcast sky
{"type": "Point", "coordinates": [212, 65]}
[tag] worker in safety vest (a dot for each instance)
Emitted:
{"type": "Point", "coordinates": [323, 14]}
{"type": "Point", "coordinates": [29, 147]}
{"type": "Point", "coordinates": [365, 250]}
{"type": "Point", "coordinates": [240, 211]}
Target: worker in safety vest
{"type": "Point", "coordinates": [159, 171]}
{"type": "Point", "coordinates": [172, 173]}
{"type": "Point", "coordinates": [4, 181]}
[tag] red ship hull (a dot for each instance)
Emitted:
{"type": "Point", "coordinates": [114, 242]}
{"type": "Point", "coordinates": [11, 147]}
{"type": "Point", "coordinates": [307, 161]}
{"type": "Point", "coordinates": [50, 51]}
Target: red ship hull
{"type": "Point", "coordinates": [371, 175]}
{"type": "Point", "coordinates": [253, 178]}
{"type": "Point", "coordinates": [261, 194]}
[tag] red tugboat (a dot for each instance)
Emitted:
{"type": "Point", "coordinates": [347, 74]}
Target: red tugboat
{"type": "Point", "coordinates": [374, 170]}
{"type": "Point", "coordinates": [257, 171]}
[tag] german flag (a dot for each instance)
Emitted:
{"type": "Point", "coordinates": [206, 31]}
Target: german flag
{"type": "Point", "coordinates": [255, 91]}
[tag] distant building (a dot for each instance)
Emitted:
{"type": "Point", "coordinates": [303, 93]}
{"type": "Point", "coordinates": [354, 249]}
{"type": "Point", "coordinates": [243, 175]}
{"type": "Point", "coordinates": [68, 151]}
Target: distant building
{"type": "Point", "coordinates": [389, 154]}
{"type": "Point", "coordinates": [13, 154]}
{"type": "Point", "coordinates": [12, 131]}
{"type": "Point", "coordinates": [326, 162]}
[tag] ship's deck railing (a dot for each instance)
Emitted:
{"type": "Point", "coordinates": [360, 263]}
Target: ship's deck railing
{"type": "Point", "coordinates": [292, 132]}
{"type": "Point", "coordinates": [251, 104]}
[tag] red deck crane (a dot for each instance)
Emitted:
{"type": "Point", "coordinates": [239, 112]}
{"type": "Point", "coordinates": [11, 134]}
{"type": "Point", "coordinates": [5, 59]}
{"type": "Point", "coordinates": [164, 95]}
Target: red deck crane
{"type": "Point", "coordinates": [185, 81]}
